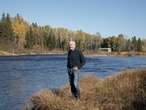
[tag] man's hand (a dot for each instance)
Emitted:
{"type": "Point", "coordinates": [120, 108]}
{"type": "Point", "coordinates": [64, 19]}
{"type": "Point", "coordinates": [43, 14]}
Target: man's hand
{"type": "Point", "coordinates": [75, 68]}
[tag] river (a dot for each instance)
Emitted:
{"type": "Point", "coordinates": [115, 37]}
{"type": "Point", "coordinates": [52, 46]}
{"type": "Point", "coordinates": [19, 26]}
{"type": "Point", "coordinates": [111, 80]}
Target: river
{"type": "Point", "coordinates": [22, 76]}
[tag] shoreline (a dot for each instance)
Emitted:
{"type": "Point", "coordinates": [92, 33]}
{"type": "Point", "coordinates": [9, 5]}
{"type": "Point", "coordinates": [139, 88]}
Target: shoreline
{"type": "Point", "coordinates": [9, 54]}
{"type": "Point", "coordinates": [96, 94]}
{"type": "Point", "coordinates": [88, 54]}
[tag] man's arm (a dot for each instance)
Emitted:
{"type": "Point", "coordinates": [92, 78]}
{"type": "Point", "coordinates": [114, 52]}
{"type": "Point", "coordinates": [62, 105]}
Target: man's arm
{"type": "Point", "coordinates": [82, 59]}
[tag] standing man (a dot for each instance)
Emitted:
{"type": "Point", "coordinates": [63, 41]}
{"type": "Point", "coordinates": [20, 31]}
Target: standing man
{"type": "Point", "coordinates": [75, 61]}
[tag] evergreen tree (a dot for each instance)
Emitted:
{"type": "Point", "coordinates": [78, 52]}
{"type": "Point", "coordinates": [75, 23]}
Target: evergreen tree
{"type": "Point", "coordinates": [139, 45]}
{"type": "Point", "coordinates": [30, 40]}
{"type": "Point", "coordinates": [134, 43]}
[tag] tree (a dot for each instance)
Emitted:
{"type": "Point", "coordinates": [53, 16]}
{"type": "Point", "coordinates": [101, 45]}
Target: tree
{"type": "Point", "coordinates": [20, 28]}
{"type": "Point", "coordinates": [30, 40]}
{"type": "Point", "coordinates": [139, 45]}
{"type": "Point", "coordinates": [120, 42]}
{"type": "Point", "coordinates": [128, 45]}
{"type": "Point", "coordinates": [15, 30]}
{"type": "Point", "coordinates": [7, 30]}
{"type": "Point", "coordinates": [134, 43]}
{"type": "Point", "coordinates": [144, 45]}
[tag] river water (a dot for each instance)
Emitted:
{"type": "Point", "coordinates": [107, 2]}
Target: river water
{"type": "Point", "coordinates": [22, 76]}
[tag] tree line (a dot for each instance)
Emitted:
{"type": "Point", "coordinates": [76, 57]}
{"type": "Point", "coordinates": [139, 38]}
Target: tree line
{"type": "Point", "coordinates": [19, 34]}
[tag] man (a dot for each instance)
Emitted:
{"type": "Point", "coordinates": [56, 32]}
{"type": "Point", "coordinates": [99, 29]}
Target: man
{"type": "Point", "coordinates": [75, 61]}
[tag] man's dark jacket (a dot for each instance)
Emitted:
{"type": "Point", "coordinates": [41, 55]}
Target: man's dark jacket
{"type": "Point", "coordinates": [75, 58]}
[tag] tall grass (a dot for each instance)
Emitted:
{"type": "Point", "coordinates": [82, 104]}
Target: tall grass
{"type": "Point", "coordinates": [125, 91]}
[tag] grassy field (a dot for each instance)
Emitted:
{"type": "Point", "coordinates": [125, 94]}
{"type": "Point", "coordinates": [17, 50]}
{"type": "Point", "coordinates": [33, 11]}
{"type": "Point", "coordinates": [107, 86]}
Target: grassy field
{"type": "Point", "coordinates": [125, 91]}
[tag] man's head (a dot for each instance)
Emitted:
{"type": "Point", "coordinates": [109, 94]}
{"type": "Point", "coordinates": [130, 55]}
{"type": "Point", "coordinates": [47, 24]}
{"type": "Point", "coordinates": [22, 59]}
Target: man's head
{"type": "Point", "coordinates": [72, 45]}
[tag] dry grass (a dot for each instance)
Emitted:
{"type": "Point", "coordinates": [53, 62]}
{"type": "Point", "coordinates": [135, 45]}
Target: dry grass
{"type": "Point", "coordinates": [125, 91]}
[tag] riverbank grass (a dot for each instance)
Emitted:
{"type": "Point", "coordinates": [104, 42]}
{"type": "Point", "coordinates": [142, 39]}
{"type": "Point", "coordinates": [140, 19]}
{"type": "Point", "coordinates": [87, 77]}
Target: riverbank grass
{"type": "Point", "coordinates": [124, 91]}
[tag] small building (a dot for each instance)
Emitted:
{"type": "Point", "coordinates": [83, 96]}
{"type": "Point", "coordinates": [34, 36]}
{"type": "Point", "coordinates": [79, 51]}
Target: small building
{"type": "Point", "coordinates": [105, 49]}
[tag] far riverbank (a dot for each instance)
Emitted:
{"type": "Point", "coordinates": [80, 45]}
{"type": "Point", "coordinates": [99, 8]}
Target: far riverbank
{"type": "Point", "coordinates": [59, 52]}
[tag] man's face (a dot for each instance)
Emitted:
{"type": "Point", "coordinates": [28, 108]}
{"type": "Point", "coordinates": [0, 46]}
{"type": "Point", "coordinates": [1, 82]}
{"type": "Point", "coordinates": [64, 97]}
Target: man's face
{"type": "Point", "coordinates": [72, 45]}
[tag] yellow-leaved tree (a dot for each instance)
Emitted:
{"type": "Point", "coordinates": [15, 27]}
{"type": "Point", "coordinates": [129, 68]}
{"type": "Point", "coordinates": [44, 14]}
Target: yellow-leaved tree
{"type": "Point", "coordinates": [20, 28]}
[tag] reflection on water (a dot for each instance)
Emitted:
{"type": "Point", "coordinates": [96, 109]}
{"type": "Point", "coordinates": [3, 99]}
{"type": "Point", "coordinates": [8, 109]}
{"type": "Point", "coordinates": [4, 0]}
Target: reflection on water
{"type": "Point", "coordinates": [20, 77]}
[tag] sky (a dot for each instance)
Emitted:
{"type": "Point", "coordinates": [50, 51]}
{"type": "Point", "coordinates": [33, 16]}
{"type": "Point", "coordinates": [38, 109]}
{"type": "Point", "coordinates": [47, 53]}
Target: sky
{"type": "Point", "coordinates": [108, 17]}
